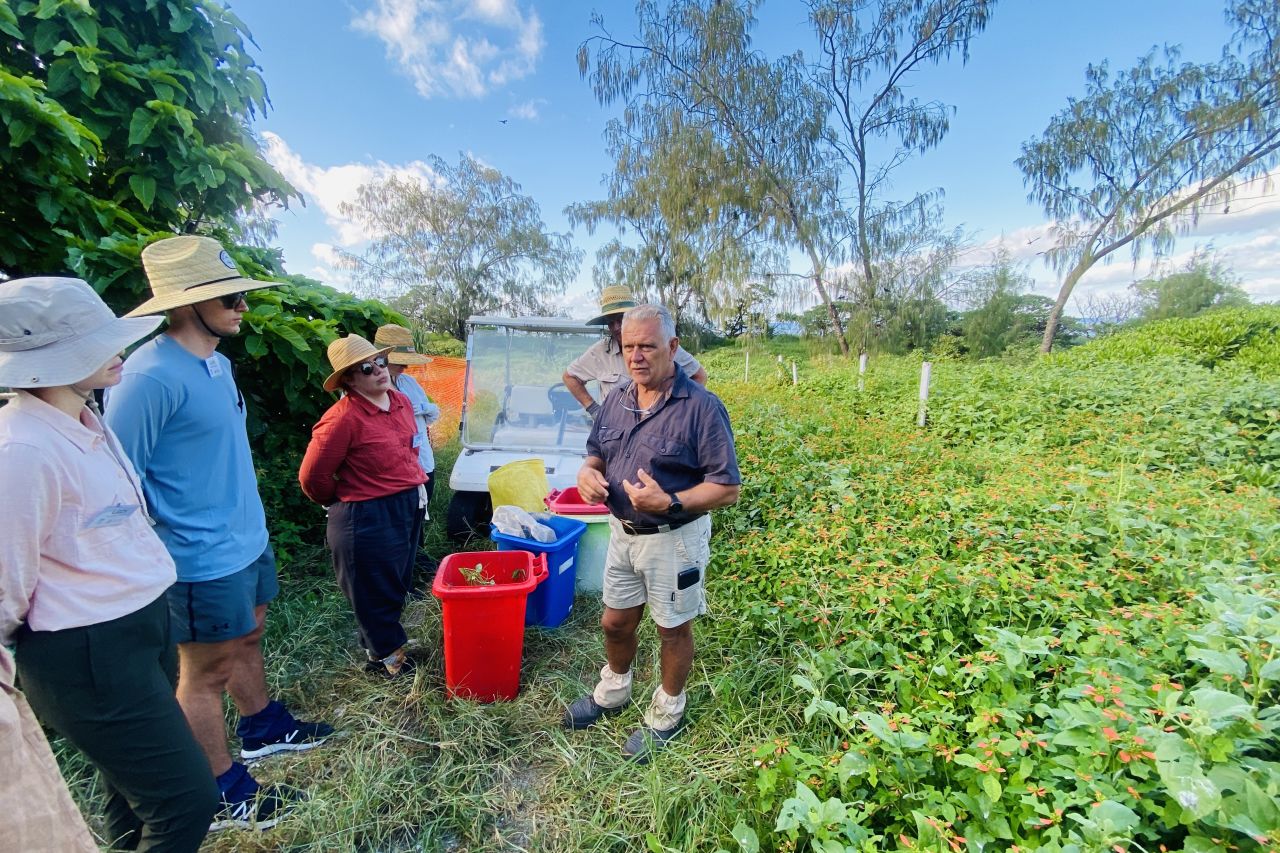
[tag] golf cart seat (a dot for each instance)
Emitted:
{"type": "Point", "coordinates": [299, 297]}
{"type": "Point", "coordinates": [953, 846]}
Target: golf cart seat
{"type": "Point", "coordinates": [528, 405]}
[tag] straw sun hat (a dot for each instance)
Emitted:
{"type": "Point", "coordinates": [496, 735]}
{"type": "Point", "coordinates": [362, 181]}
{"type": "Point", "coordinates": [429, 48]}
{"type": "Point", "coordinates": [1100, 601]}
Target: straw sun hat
{"type": "Point", "coordinates": [400, 340]}
{"type": "Point", "coordinates": [348, 352]}
{"type": "Point", "coordinates": [188, 269]}
{"type": "Point", "coordinates": [614, 299]}
{"type": "Point", "coordinates": [58, 331]}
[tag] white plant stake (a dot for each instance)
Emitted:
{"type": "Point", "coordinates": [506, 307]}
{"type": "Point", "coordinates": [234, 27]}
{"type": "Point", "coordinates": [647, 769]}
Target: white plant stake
{"type": "Point", "coordinates": [746, 370]}
{"type": "Point", "coordinates": [862, 370]}
{"type": "Point", "coordinates": [926, 370]}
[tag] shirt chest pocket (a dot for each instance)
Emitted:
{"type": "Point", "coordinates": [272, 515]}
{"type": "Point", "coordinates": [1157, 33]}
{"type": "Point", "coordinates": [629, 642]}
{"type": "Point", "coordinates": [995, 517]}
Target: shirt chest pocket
{"type": "Point", "coordinates": [662, 445]}
{"type": "Point", "coordinates": [666, 452]}
{"type": "Point", "coordinates": [99, 526]}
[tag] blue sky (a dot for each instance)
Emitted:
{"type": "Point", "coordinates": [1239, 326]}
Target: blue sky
{"type": "Point", "coordinates": [362, 88]}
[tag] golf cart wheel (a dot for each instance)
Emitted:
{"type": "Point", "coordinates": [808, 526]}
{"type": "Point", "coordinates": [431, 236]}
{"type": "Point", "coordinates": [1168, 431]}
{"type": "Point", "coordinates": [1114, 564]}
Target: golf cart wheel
{"type": "Point", "coordinates": [469, 514]}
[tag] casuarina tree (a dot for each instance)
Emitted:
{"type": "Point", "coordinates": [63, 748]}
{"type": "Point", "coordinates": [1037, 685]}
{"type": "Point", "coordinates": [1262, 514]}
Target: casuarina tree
{"type": "Point", "coordinates": [1145, 151]}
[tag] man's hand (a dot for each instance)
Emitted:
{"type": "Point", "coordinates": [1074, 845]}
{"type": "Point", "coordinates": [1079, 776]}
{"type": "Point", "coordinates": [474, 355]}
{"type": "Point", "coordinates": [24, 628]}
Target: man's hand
{"type": "Point", "coordinates": [647, 496]}
{"type": "Point", "coordinates": [592, 486]}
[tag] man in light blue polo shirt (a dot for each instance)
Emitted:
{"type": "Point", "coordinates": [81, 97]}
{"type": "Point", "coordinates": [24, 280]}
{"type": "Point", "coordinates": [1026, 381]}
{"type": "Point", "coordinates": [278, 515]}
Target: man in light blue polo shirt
{"type": "Point", "coordinates": [181, 420]}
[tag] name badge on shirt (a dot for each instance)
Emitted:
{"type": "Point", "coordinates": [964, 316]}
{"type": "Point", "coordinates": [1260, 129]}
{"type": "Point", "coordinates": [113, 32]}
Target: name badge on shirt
{"type": "Point", "coordinates": [417, 439]}
{"type": "Point", "coordinates": [212, 365]}
{"type": "Point", "coordinates": [111, 516]}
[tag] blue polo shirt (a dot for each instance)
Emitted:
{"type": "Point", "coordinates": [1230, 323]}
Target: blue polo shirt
{"type": "Point", "coordinates": [181, 421]}
{"type": "Point", "coordinates": [685, 441]}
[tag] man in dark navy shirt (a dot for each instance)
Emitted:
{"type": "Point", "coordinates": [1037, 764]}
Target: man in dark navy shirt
{"type": "Point", "coordinates": [661, 456]}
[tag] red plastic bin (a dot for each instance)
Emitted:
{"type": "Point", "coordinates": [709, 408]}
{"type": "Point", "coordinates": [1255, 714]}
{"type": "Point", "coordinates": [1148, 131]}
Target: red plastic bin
{"type": "Point", "coordinates": [484, 625]}
{"type": "Point", "coordinates": [569, 502]}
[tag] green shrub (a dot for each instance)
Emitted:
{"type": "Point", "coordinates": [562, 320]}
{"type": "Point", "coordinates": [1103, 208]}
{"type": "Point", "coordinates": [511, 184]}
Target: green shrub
{"type": "Point", "coordinates": [1209, 339]}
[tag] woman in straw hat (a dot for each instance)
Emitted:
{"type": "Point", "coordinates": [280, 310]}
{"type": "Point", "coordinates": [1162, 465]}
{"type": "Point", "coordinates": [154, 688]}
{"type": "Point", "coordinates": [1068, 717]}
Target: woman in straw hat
{"type": "Point", "coordinates": [405, 354]}
{"type": "Point", "coordinates": [363, 465]}
{"type": "Point", "coordinates": [82, 575]}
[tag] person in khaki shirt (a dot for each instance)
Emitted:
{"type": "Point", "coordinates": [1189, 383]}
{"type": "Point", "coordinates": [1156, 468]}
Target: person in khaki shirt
{"type": "Point", "coordinates": [39, 813]}
{"type": "Point", "coordinates": [603, 360]}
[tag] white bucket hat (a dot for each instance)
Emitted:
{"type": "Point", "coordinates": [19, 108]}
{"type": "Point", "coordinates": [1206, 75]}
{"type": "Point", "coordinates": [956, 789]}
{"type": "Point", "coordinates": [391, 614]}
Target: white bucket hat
{"type": "Point", "coordinates": [189, 269]}
{"type": "Point", "coordinates": [58, 331]}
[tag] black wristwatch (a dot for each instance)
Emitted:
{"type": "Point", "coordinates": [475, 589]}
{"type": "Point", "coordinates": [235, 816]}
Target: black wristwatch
{"type": "Point", "coordinates": [676, 506]}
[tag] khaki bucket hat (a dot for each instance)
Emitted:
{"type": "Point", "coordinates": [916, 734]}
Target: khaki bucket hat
{"type": "Point", "coordinates": [400, 340]}
{"type": "Point", "coordinates": [189, 269]}
{"type": "Point", "coordinates": [347, 352]}
{"type": "Point", "coordinates": [614, 299]}
{"type": "Point", "coordinates": [58, 331]}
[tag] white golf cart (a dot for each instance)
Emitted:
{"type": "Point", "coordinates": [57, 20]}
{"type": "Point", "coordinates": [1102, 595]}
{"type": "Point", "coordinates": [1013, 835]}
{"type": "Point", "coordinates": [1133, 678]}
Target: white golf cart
{"type": "Point", "coordinates": [517, 408]}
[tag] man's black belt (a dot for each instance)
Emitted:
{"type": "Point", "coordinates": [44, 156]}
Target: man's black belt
{"type": "Point", "coordinates": [647, 529]}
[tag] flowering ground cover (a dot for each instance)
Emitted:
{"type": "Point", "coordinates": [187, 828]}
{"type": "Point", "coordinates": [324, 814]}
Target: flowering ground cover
{"type": "Point", "coordinates": [1046, 622]}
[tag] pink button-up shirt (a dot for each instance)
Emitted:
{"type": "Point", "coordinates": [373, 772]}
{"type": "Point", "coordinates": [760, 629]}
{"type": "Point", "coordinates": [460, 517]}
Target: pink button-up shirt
{"type": "Point", "coordinates": [72, 552]}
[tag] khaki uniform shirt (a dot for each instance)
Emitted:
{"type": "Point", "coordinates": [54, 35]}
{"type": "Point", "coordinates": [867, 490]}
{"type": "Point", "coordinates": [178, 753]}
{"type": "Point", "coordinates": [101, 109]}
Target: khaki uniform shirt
{"type": "Point", "coordinates": [37, 809]}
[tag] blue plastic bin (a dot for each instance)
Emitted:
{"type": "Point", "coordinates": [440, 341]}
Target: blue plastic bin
{"type": "Point", "coordinates": [549, 605]}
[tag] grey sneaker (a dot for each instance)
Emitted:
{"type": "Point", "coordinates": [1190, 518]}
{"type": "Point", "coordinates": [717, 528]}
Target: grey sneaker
{"type": "Point", "coordinates": [644, 742]}
{"type": "Point", "coordinates": [584, 712]}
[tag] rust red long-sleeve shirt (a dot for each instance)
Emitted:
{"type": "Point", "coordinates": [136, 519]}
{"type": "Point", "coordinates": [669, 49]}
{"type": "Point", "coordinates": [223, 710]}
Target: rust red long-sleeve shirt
{"type": "Point", "coordinates": [358, 452]}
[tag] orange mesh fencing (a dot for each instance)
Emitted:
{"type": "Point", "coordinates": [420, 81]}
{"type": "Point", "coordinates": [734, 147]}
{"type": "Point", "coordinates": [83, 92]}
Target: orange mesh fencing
{"type": "Point", "coordinates": [442, 379]}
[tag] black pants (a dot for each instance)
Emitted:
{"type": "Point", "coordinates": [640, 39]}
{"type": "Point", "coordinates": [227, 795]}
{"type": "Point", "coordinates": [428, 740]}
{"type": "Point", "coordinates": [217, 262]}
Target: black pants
{"type": "Point", "coordinates": [108, 689]}
{"type": "Point", "coordinates": [374, 543]}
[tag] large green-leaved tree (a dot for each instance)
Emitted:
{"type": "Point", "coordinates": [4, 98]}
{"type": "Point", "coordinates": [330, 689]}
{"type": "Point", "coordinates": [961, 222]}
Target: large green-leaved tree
{"type": "Point", "coordinates": [118, 120]}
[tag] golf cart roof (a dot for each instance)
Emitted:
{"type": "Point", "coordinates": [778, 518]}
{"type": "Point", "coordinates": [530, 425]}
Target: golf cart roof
{"type": "Point", "coordinates": [535, 324]}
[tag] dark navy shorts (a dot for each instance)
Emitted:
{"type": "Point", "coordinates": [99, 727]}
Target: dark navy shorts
{"type": "Point", "coordinates": [223, 608]}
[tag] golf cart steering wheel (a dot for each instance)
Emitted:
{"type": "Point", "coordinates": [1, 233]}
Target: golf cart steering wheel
{"type": "Point", "coordinates": [560, 398]}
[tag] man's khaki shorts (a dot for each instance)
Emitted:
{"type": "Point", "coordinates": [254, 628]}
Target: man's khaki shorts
{"type": "Point", "coordinates": [643, 570]}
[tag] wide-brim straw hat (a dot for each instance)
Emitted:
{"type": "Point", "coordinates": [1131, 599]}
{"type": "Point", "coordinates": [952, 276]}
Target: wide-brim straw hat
{"type": "Point", "coordinates": [189, 269]}
{"type": "Point", "coordinates": [347, 352]}
{"type": "Point", "coordinates": [614, 299]}
{"type": "Point", "coordinates": [58, 331]}
{"type": "Point", "coordinates": [400, 340]}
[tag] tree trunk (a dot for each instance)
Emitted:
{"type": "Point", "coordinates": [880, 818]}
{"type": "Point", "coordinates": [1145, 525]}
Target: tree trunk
{"type": "Point", "coordinates": [1068, 285]}
{"type": "Point", "coordinates": [832, 314]}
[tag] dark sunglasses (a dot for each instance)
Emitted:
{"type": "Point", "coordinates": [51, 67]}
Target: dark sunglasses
{"type": "Point", "coordinates": [231, 300]}
{"type": "Point", "coordinates": [367, 367]}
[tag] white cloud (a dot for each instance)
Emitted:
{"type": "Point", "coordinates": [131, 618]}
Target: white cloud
{"type": "Point", "coordinates": [328, 187]}
{"type": "Point", "coordinates": [462, 48]}
{"type": "Point", "coordinates": [1243, 236]}
{"type": "Point", "coordinates": [328, 268]}
{"type": "Point", "coordinates": [529, 110]}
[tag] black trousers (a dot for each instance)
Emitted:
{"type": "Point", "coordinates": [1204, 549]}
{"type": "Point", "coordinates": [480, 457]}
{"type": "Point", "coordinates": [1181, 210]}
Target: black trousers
{"type": "Point", "coordinates": [108, 689]}
{"type": "Point", "coordinates": [374, 543]}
